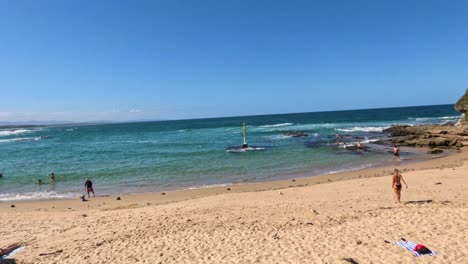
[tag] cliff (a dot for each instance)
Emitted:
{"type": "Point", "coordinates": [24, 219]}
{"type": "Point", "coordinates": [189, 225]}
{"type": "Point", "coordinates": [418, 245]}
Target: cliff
{"type": "Point", "coordinates": [462, 106]}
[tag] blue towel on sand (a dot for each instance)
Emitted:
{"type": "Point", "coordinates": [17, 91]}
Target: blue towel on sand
{"type": "Point", "coordinates": [408, 245]}
{"type": "Point", "coordinates": [9, 255]}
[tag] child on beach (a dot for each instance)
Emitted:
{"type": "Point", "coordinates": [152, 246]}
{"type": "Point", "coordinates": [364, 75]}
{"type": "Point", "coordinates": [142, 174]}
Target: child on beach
{"type": "Point", "coordinates": [396, 184]}
{"type": "Point", "coordinates": [89, 186]}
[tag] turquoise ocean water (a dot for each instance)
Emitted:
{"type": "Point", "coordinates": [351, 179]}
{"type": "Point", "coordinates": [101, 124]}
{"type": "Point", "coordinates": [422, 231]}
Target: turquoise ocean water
{"type": "Point", "coordinates": [168, 155]}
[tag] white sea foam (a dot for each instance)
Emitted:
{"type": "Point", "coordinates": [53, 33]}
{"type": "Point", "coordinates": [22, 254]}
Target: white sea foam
{"type": "Point", "coordinates": [442, 118]}
{"type": "Point", "coordinates": [5, 133]}
{"type": "Point", "coordinates": [36, 196]}
{"type": "Point", "coordinates": [208, 186]}
{"type": "Point", "coordinates": [238, 150]}
{"type": "Point", "coordinates": [277, 125]}
{"type": "Point", "coordinates": [19, 139]}
{"type": "Point", "coordinates": [362, 129]}
{"type": "Point", "coordinates": [278, 137]}
{"type": "Point", "coordinates": [352, 144]}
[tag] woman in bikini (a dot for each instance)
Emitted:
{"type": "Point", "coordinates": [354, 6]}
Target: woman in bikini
{"type": "Point", "coordinates": [396, 184]}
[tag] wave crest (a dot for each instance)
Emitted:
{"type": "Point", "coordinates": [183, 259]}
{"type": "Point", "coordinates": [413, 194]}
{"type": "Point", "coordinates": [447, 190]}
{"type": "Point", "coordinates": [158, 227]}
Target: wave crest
{"type": "Point", "coordinates": [36, 196]}
{"type": "Point", "coordinates": [277, 125]}
{"type": "Point", "coordinates": [362, 129]}
{"type": "Point", "coordinates": [6, 133]}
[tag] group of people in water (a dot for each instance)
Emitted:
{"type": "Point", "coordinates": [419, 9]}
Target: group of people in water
{"type": "Point", "coordinates": [397, 178]}
{"type": "Point", "coordinates": [88, 183]}
{"type": "Point", "coordinates": [359, 148]}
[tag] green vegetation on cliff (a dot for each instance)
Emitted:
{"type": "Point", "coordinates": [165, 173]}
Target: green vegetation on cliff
{"type": "Point", "coordinates": [462, 104]}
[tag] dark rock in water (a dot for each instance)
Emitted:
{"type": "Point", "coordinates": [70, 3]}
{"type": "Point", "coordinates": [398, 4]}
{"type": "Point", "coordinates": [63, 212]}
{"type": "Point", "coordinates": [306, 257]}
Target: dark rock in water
{"type": "Point", "coordinates": [435, 151]}
{"type": "Point", "coordinates": [449, 124]}
{"type": "Point", "coordinates": [312, 144]}
{"type": "Point", "coordinates": [355, 148]}
{"type": "Point", "coordinates": [403, 130]}
{"type": "Point", "coordinates": [295, 134]}
{"type": "Point", "coordinates": [379, 142]}
{"type": "Point", "coordinates": [249, 148]}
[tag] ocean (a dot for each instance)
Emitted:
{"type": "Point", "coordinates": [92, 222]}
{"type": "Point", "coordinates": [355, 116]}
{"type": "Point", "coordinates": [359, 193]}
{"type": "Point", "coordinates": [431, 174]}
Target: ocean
{"type": "Point", "coordinates": [172, 155]}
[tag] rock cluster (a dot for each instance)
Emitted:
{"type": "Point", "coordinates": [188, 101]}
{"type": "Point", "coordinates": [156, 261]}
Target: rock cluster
{"type": "Point", "coordinates": [295, 134]}
{"type": "Point", "coordinates": [433, 136]}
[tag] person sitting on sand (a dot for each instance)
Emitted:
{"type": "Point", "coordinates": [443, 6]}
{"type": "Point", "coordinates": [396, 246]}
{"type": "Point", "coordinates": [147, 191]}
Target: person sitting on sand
{"type": "Point", "coordinates": [396, 184]}
{"type": "Point", "coordinates": [52, 177]}
{"type": "Point", "coordinates": [89, 186]}
{"type": "Point", "coordinates": [396, 152]}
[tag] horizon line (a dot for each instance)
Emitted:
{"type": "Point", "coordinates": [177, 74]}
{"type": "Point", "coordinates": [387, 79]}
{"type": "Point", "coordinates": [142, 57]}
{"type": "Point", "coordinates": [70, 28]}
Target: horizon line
{"type": "Point", "coordinates": [98, 122]}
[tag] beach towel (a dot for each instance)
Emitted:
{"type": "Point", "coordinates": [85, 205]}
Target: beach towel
{"type": "Point", "coordinates": [11, 254]}
{"type": "Point", "coordinates": [408, 245]}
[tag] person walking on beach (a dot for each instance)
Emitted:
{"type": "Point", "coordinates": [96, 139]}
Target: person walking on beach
{"type": "Point", "coordinates": [396, 152]}
{"type": "Point", "coordinates": [396, 184]}
{"type": "Point", "coordinates": [89, 186]}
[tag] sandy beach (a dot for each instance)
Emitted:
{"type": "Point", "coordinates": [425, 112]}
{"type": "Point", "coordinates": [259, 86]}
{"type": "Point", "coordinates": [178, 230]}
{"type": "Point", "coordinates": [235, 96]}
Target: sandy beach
{"type": "Point", "coordinates": [270, 222]}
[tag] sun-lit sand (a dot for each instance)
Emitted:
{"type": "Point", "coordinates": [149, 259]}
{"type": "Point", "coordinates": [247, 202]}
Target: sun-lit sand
{"type": "Point", "coordinates": [320, 219]}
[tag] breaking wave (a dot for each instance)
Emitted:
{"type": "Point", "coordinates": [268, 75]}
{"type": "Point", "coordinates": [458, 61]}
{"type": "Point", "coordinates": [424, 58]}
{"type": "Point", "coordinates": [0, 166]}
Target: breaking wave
{"type": "Point", "coordinates": [20, 139]}
{"type": "Point", "coordinates": [6, 133]}
{"type": "Point", "coordinates": [277, 125]}
{"type": "Point", "coordinates": [36, 196]}
{"type": "Point", "coordinates": [440, 119]}
{"type": "Point", "coordinates": [362, 129]}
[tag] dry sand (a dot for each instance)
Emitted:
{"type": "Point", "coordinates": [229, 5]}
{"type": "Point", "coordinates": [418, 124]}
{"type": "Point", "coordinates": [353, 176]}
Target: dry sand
{"type": "Point", "coordinates": [356, 213]}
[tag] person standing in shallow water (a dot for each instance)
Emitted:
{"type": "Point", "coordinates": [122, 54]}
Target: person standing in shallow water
{"type": "Point", "coordinates": [89, 186]}
{"type": "Point", "coordinates": [396, 152]}
{"type": "Point", "coordinates": [396, 184]}
{"type": "Point", "coordinates": [52, 177]}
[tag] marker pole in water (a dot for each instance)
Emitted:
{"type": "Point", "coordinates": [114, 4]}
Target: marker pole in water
{"type": "Point", "coordinates": [244, 145]}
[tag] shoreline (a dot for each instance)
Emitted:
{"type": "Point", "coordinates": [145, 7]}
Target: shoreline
{"type": "Point", "coordinates": [305, 221]}
{"type": "Point", "coordinates": [141, 199]}
{"type": "Point", "coordinates": [412, 155]}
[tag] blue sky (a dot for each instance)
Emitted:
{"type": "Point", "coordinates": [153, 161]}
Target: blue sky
{"type": "Point", "coordinates": [130, 60]}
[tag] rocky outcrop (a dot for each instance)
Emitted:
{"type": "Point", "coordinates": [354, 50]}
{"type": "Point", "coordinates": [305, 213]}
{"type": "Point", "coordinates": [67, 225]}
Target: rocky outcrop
{"type": "Point", "coordinates": [435, 151]}
{"type": "Point", "coordinates": [295, 134]}
{"type": "Point", "coordinates": [462, 107]}
{"type": "Point", "coordinates": [462, 103]}
{"type": "Point", "coordinates": [433, 136]}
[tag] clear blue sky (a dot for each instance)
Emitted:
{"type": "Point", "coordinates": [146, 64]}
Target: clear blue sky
{"type": "Point", "coordinates": [127, 60]}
